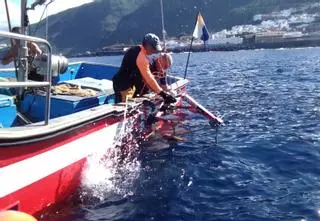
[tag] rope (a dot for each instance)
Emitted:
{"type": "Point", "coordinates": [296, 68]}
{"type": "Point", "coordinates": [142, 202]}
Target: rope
{"type": "Point", "coordinates": [38, 24]}
{"type": "Point", "coordinates": [157, 75]}
{"type": "Point", "coordinates": [73, 90]}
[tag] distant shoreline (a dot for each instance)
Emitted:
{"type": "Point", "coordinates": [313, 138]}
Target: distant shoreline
{"type": "Point", "coordinates": [249, 43]}
{"type": "Point", "coordinates": [195, 50]}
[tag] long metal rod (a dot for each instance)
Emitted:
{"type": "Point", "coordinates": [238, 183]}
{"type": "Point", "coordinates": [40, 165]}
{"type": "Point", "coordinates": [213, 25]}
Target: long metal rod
{"type": "Point", "coordinates": [49, 80]}
{"type": "Point", "coordinates": [23, 84]}
{"type": "Point", "coordinates": [187, 65]}
{"type": "Point", "coordinates": [23, 49]}
{"type": "Point", "coordinates": [49, 72]}
{"type": "Point", "coordinates": [163, 30]}
{"type": "Point", "coordinates": [8, 17]}
{"type": "Point", "coordinates": [203, 110]}
{"type": "Point", "coordinates": [47, 28]}
{"type": "Point", "coordinates": [24, 38]}
{"type": "Point", "coordinates": [192, 39]}
{"type": "Point", "coordinates": [11, 40]}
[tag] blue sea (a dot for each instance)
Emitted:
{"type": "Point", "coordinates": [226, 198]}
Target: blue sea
{"type": "Point", "coordinates": [264, 166]}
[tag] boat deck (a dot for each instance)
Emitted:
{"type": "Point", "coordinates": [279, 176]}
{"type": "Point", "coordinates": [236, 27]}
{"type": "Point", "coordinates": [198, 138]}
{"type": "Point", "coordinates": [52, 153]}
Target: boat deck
{"type": "Point", "coordinates": [67, 110]}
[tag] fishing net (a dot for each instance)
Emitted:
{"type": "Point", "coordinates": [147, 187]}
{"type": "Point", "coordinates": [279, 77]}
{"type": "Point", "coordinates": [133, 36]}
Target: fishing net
{"type": "Point", "coordinates": [73, 90]}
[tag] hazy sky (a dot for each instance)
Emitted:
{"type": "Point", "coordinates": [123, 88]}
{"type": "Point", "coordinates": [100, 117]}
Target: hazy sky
{"type": "Point", "coordinates": [34, 16]}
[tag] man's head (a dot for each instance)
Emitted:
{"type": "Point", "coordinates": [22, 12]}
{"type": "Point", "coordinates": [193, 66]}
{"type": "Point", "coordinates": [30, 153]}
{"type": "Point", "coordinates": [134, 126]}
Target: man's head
{"type": "Point", "coordinates": [151, 43]}
{"type": "Point", "coordinates": [164, 62]}
{"type": "Point", "coordinates": [16, 30]}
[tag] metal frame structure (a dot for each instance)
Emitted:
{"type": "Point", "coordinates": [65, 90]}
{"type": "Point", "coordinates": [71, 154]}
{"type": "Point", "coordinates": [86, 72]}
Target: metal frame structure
{"type": "Point", "coordinates": [24, 82]}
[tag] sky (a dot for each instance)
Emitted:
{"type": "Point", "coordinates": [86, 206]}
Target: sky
{"type": "Point", "coordinates": [34, 16]}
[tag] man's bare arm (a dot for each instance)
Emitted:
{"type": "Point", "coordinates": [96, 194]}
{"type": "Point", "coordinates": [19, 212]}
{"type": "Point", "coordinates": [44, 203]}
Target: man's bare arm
{"type": "Point", "coordinates": [9, 56]}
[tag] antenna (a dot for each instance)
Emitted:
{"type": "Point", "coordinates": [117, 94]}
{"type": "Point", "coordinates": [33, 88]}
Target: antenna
{"type": "Point", "coordinates": [163, 30]}
{"type": "Point", "coordinates": [47, 23]}
{"type": "Point", "coordinates": [37, 2]}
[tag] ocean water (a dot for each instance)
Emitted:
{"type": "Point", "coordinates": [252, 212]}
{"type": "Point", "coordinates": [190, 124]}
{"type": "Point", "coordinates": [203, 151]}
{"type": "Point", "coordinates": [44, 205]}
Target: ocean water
{"type": "Point", "coordinates": [265, 165]}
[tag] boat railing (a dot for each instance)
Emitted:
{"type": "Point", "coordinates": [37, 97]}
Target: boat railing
{"type": "Point", "coordinates": [22, 84]}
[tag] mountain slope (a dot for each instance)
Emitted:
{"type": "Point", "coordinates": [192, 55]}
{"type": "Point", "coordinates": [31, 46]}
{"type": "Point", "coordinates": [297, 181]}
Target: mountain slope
{"type": "Point", "coordinates": [106, 22]}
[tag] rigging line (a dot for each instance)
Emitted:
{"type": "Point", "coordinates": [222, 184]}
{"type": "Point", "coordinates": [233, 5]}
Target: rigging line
{"type": "Point", "coordinates": [38, 24]}
{"type": "Point", "coordinates": [157, 75]}
{"type": "Point", "coordinates": [164, 33]}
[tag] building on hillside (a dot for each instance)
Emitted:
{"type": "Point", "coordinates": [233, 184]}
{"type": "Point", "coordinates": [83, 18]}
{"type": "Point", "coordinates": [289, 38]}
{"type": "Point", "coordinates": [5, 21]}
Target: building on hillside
{"type": "Point", "coordinates": [3, 46]}
{"type": "Point", "coordinates": [173, 44]}
{"type": "Point", "coordinates": [277, 36]}
{"type": "Point", "coordinates": [224, 39]}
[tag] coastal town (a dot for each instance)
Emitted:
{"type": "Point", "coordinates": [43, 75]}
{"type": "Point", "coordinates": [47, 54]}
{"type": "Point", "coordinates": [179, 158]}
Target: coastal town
{"type": "Point", "coordinates": [222, 41]}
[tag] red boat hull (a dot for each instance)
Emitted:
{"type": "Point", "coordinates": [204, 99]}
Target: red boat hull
{"type": "Point", "coordinates": [57, 187]}
{"type": "Point", "coordinates": [38, 175]}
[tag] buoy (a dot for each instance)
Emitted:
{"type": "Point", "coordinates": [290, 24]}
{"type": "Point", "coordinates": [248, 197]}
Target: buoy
{"type": "Point", "coordinates": [11, 215]}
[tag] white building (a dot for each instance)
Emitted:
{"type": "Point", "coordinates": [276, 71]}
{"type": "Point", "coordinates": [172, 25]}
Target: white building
{"type": "Point", "coordinates": [3, 46]}
{"type": "Point", "coordinates": [172, 44]}
{"type": "Point", "coordinates": [221, 38]}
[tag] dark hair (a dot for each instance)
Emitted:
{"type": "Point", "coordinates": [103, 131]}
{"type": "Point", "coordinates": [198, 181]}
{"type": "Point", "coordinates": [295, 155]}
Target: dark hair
{"type": "Point", "coordinates": [16, 30]}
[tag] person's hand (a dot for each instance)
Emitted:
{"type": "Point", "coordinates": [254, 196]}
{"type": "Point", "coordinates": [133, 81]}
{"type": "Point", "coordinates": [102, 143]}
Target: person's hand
{"type": "Point", "coordinates": [168, 98]}
{"type": "Point", "coordinates": [165, 88]}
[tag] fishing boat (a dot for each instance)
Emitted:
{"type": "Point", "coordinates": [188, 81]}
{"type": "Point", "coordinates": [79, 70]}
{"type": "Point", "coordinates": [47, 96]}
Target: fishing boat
{"type": "Point", "coordinates": [49, 128]}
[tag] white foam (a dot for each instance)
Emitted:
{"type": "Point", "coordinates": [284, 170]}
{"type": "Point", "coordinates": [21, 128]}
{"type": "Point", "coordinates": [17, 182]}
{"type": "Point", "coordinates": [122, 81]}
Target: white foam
{"type": "Point", "coordinates": [110, 173]}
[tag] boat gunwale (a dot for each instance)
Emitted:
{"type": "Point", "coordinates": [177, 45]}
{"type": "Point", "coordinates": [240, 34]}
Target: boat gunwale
{"type": "Point", "coordinates": [71, 63]}
{"type": "Point", "coordinates": [38, 131]}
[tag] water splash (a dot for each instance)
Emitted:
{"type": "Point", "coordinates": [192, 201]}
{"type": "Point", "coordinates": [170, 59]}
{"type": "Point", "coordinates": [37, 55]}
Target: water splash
{"type": "Point", "coordinates": [111, 174]}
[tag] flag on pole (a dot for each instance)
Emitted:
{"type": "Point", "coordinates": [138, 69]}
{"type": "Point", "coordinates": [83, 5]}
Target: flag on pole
{"type": "Point", "coordinates": [201, 31]}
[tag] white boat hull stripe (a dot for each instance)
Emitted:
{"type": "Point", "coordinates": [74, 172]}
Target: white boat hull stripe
{"type": "Point", "coordinates": [23, 173]}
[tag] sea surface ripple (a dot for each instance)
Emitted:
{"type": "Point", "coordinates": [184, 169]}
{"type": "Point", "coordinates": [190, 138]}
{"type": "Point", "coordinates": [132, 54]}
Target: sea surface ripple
{"type": "Point", "coordinates": [265, 165]}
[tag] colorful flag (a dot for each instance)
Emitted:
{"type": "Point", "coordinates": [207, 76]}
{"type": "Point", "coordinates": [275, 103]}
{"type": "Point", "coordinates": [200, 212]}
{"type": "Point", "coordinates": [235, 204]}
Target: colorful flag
{"type": "Point", "coordinates": [201, 31]}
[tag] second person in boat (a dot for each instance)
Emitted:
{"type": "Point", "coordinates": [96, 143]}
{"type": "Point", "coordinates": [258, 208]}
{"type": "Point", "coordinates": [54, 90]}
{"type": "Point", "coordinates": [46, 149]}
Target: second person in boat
{"type": "Point", "coordinates": [159, 65]}
{"type": "Point", "coordinates": [135, 68]}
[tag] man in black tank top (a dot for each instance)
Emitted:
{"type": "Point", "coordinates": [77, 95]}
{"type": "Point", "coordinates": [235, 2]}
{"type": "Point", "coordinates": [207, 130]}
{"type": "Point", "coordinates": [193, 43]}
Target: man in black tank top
{"type": "Point", "coordinates": [135, 70]}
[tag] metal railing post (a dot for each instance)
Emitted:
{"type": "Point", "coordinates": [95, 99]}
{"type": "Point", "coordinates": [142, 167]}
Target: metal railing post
{"type": "Point", "coordinates": [46, 84]}
{"type": "Point", "coordinates": [49, 80]}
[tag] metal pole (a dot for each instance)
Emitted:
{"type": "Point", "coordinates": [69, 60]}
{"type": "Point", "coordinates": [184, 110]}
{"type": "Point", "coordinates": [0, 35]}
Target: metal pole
{"type": "Point", "coordinates": [187, 65]}
{"type": "Point", "coordinates": [47, 21]}
{"type": "Point", "coordinates": [8, 19]}
{"type": "Point", "coordinates": [23, 50]}
{"type": "Point", "coordinates": [23, 37]}
{"type": "Point", "coordinates": [192, 39]}
{"type": "Point", "coordinates": [163, 30]}
{"type": "Point", "coordinates": [11, 40]}
{"type": "Point", "coordinates": [49, 80]}
{"type": "Point", "coordinates": [49, 69]}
